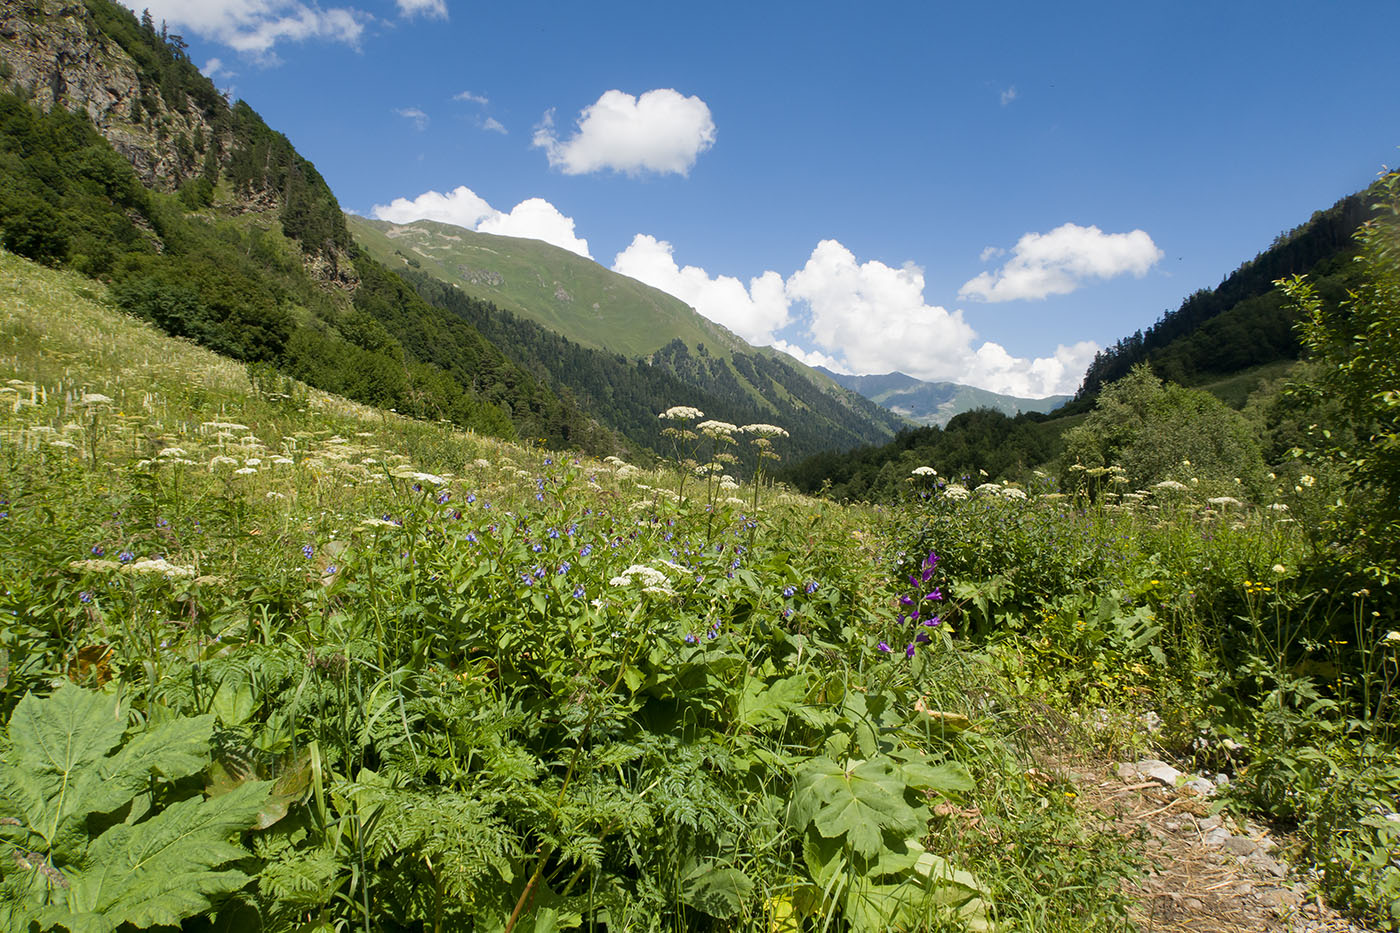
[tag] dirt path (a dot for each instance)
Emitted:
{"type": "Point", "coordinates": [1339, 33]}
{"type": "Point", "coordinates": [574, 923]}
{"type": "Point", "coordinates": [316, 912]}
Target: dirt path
{"type": "Point", "coordinates": [1205, 873]}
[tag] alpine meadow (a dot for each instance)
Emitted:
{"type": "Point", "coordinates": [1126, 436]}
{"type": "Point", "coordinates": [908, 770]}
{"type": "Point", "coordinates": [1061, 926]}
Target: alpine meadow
{"type": "Point", "coordinates": [420, 573]}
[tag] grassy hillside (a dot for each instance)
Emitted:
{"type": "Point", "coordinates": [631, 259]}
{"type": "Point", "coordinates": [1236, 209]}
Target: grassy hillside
{"type": "Point", "coordinates": [576, 297]}
{"type": "Point", "coordinates": [336, 667]}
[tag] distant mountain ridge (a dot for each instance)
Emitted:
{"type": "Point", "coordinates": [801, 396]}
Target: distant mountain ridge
{"type": "Point", "coordinates": [937, 403]}
{"type": "Point", "coordinates": [563, 291]}
{"type": "Point", "coordinates": [623, 349]}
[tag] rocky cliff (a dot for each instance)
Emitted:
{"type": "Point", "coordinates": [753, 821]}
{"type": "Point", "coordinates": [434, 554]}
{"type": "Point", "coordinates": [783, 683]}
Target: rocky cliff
{"type": "Point", "coordinates": [54, 51]}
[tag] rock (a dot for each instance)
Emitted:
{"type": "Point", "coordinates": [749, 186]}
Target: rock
{"type": "Point", "coordinates": [1240, 845]}
{"type": "Point", "coordinates": [1199, 787]}
{"type": "Point", "coordinates": [1210, 822]}
{"type": "Point", "coordinates": [1173, 826]}
{"type": "Point", "coordinates": [1157, 770]}
{"type": "Point", "coordinates": [1216, 837]}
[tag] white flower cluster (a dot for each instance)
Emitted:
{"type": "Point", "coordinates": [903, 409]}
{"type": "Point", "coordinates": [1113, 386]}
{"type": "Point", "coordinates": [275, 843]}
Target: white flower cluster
{"type": "Point", "coordinates": [653, 580]}
{"type": "Point", "coordinates": [956, 491]}
{"type": "Point", "coordinates": [717, 428]}
{"type": "Point", "coordinates": [923, 471]}
{"type": "Point", "coordinates": [764, 430]}
{"type": "Point", "coordinates": [681, 413]}
{"type": "Point", "coordinates": [421, 477]}
{"type": "Point", "coordinates": [158, 565]}
{"type": "Point", "coordinates": [1170, 485]}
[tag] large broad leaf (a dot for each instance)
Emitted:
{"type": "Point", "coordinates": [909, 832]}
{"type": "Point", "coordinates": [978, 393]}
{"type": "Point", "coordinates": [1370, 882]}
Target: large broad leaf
{"type": "Point", "coordinates": [717, 890]}
{"type": "Point", "coordinates": [861, 801]}
{"type": "Point", "coordinates": [762, 703]}
{"type": "Point", "coordinates": [68, 765]}
{"type": "Point", "coordinates": [161, 870]}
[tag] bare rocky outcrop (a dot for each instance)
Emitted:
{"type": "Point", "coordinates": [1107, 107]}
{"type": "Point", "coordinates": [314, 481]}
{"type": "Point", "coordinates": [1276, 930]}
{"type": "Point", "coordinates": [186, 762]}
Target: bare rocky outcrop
{"type": "Point", "coordinates": [54, 52]}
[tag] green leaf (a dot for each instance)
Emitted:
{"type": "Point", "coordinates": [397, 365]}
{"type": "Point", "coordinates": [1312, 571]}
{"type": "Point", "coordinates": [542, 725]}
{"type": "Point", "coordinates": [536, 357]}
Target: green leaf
{"type": "Point", "coordinates": [861, 801]}
{"type": "Point", "coordinates": [763, 703]}
{"type": "Point", "coordinates": [943, 778]}
{"type": "Point", "coordinates": [161, 871]}
{"type": "Point", "coordinates": [717, 891]}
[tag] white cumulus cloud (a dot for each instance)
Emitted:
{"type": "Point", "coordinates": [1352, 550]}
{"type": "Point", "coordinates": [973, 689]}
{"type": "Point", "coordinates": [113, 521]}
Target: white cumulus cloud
{"type": "Point", "coordinates": [494, 125]}
{"type": "Point", "coordinates": [1008, 95]}
{"type": "Point", "coordinates": [872, 318]}
{"type": "Point", "coordinates": [537, 219]}
{"type": "Point", "coordinates": [533, 218]}
{"type": "Point", "coordinates": [753, 312]}
{"type": "Point", "coordinates": [1059, 262]}
{"type": "Point", "coordinates": [661, 131]}
{"type": "Point", "coordinates": [471, 98]}
{"type": "Point", "coordinates": [434, 9]}
{"type": "Point", "coordinates": [254, 27]}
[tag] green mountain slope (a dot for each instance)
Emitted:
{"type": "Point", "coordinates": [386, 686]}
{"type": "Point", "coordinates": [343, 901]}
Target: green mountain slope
{"type": "Point", "coordinates": [122, 162]}
{"type": "Point", "coordinates": [936, 403]}
{"type": "Point", "coordinates": [570, 295]}
{"type": "Point", "coordinates": [622, 349]}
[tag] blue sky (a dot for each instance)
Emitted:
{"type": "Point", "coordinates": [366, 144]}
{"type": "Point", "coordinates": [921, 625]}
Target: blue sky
{"type": "Point", "coordinates": [978, 192]}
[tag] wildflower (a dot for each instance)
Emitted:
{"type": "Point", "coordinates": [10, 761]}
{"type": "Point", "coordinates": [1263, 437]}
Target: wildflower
{"type": "Point", "coordinates": [810, 588]}
{"type": "Point", "coordinates": [764, 430]}
{"type": "Point", "coordinates": [444, 498]}
{"type": "Point", "coordinates": [585, 550]}
{"type": "Point", "coordinates": [308, 551]}
{"type": "Point", "coordinates": [690, 639]}
{"type": "Point", "coordinates": [1391, 637]}
{"type": "Point", "coordinates": [85, 596]}
{"type": "Point", "coordinates": [883, 647]}
{"type": "Point", "coordinates": [578, 591]}
{"type": "Point", "coordinates": [126, 557]}
{"type": "Point", "coordinates": [923, 471]}
{"type": "Point", "coordinates": [1307, 480]}
{"type": "Point", "coordinates": [681, 413]}
{"type": "Point", "coordinates": [717, 428]}
{"type": "Point", "coordinates": [909, 650]}
{"type": "Point", "coordinates": [98, 550]}
{"type": "Point", "coordinates": [158, 565]}
{"type": "Point", "coordinates": [789, 590]}
{"type": "Point", "coordinates": [95, 398]}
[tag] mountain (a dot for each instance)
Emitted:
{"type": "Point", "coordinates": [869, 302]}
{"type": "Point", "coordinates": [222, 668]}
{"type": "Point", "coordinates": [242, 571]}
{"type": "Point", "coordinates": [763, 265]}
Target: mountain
{"type": "Point", "coordinates": [935, 403]}
{"type": "Point", "coordinates": [572, 296]}
{"type": "Point", "coordinates": [1244, 321]}
{"type": "Point", "coordinates": [119, 160]}
{"type": "Point", "coordinates": [624, 350]}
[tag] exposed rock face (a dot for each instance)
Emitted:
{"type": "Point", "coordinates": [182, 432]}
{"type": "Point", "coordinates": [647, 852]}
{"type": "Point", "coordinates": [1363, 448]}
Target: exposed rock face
{"type": "Point", "coordinates": [55, 52]}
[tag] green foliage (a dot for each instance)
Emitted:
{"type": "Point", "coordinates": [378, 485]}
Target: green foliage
{"type": "Point", "coordinates": [1156, 431]}
{"type": "Point", "coordinates": [1357, 342]}
{"type": "Point", "coordinates": [99, 832]}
